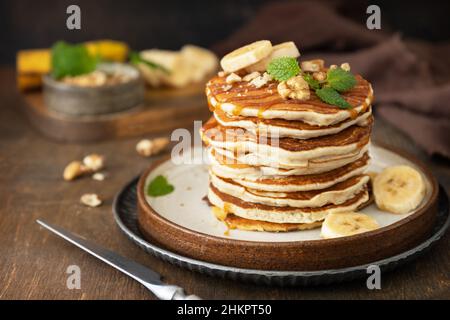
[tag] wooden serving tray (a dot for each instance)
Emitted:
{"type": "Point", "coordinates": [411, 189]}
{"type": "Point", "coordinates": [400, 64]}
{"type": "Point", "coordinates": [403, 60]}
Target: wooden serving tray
{"type": "Point", "coordinates": [163, 110]}
{"type": "Point", "coordinates": [182, 223]}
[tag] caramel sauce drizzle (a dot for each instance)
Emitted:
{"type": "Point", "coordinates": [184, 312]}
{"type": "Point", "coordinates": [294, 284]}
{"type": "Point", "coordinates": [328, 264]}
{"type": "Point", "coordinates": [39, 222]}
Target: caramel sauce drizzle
{"type": "Point", "coordinates": [243, 95]}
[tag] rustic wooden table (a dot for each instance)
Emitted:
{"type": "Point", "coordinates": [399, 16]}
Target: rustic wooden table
{"type": "Point", "coordinates": [33, 262]}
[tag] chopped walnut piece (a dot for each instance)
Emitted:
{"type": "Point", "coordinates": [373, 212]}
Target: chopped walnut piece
{"type": "Point", "coordinates": [251, 76]}
{"type": "Point", "coordinates": [147, 148]}
{"type": "Point", "coordinates": [319, 76]}
{"type": "Point", "coordinates": [74, 170]}
{"type": "Point", "coordinates": [260, 81]}
{"type": "Point", "coordinates": [99, 176]}
{"type": "Point", "coordinates": [227, 87]}
{"type": "Point", "coordinates": [93, 79]}
{"type": "Point", "coordinates": [94, 162]}
{"type": "Point", "coordinates": [294, 88]}
{"type": "Point", "coordinates": [232, 78]}
{"type": "Point", "coordinates": [345, 66]}
{"type": "Point", "coordinates": [312, 65]}
{"type": "Point", "coordinates": [90, 200]}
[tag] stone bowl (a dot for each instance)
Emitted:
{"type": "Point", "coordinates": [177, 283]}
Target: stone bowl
{"type": "Point", "coordinates": [78, 101]}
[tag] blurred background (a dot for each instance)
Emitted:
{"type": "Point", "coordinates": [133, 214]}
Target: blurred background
{"type": "Point", "coordinates": [406, 61]}
{"type": "Point", "coordinates": [169, 24]}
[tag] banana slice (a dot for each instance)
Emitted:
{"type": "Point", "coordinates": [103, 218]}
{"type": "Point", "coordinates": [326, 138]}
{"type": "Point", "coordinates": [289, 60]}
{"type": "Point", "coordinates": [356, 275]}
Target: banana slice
{"type": "Point", "coordinates": [179, 75]}
{"type": "Point", "coordinates": [246, 56]}
{"type": "Point", "coordinates": [201, 62]}
{"type": "Point", "coordinates": [285, 49]}
{"type": "Point", "coordinates": [398, 189]}
{"type": "Point", "coordinates": [347, 224]}
{"type": "Point", "coordinates": [191, 64]}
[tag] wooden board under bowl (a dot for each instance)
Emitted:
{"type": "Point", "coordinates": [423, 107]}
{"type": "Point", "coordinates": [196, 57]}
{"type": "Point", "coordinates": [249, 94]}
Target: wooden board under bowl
{"type": "Point", "coordinates": [164, 109]}
{"type": "Point", "coordinates": [183, 223]}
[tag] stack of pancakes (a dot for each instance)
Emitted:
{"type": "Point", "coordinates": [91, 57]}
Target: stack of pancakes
{"type": "Point", "coordinates": [282, 165]}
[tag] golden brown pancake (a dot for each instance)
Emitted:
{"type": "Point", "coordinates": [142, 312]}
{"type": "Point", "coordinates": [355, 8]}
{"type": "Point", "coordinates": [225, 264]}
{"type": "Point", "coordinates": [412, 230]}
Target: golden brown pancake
{"type": "Point", "coordinates": [236, 222]}
{"type": "Point", "coordinates": [301, 182]}
{"type": "Point", "coordinates": [301, 195]}
{"type": "Point", "coordinates": [212, 131]}
{"type": "Point", "coordinates": [263, 212]}
{"type": "Point", "coordinates": [230, 199]}
{"type": "Point", "coordinates": [265, 102]}
{"type": "Point", "coordinates": [237, 166]}
{"type": "Point", "coordinates": [286, 128]}
{"type": "Point", "coordinates": [335, 194]}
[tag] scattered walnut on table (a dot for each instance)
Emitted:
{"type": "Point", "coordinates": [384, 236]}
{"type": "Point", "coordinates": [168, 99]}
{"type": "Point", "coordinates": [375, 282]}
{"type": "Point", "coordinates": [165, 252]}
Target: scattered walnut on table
{"type": "Point", "coordinates": [73, 170]}
{"type": "Point", "coordinates": [91, 163]}
{"type": "Point", "coordinates": [99, 176]}
{"type": "Point", "coordinates": [90, 200]}
{"type": "Point", "coordinates": [147, 148]}
{"type": "Point", "coordinates": [94, 162]}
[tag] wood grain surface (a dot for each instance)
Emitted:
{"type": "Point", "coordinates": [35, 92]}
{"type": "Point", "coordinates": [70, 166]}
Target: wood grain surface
{"type": "Point", "coordinates": [33, 262]}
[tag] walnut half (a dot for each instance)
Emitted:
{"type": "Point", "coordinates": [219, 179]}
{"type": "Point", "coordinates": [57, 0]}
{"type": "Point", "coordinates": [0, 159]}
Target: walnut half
{"type": "Point", "coordinates": [90, 200]}
{"type": "Point", "coordinates": [147, 148]}
{"type": "Point", "coordinates": [294, 88]}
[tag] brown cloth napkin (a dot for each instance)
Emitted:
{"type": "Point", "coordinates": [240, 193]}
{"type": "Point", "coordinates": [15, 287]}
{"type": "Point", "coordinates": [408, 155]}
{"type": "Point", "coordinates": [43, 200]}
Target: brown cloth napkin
{"type": "Point", "coordinates": [411, 80]}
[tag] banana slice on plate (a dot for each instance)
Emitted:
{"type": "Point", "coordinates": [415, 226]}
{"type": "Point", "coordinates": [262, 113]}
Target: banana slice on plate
{"type": "Point", "coordinates": [246, 56]}
{"type": "Point", "coordinates": [398, 189]}
{"type": "Point", "coordinates": [285, 49]}
{"type": "Point", "coordinates": [346, 224]}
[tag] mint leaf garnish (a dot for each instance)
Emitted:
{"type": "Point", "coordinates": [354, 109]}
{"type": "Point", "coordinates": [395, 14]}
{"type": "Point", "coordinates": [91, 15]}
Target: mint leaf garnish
{"type": "Point", "coordinates": [159, 186]}
{"type": "Point", "coordinates": [313, 83]}
{"type": "Point", "coordinates": [283, 68]}
{"type": "Point", "coordinates": [340, 80]}
{"type": "Point", "coordinates": [331, 96]}
{"type": "Point", "coordinates": [135, 58]}
{"type": "Point", "coordinates": [71, 60]}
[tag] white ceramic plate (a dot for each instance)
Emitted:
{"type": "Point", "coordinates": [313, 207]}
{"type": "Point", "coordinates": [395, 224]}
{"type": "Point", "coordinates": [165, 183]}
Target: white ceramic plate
{"type": "Point", "coordinates": [186, 207]}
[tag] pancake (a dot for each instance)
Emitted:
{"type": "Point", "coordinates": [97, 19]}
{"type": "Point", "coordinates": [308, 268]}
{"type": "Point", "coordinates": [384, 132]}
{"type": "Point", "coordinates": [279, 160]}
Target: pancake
{"type": "Point", "coordinates": [295, 183]}
{"type": "Point", "coordinates": [244, 99]}
{"type": "Point", "coordinates": [225, 165]}
{"type": "Point", "coordinates": [285, 128]}
{"type": "Point", "coordinates": [235, 222]}
{"type": "Point", "coordinates": [284, 152]}
{"type": "Point", "coordinates": [336, 194]}
{"type": "Point", "coordinates": [283, 164]}
{"type": "Point", "coordinates": [262, 212]}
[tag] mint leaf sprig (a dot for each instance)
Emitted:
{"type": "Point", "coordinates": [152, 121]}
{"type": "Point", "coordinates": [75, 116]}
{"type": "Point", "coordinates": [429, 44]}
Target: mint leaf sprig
{"type": "Point", "coordinates": [313, 83]}
{"type": "Point", "coordinates": [331, 96]}
{"type": "Point", "coordinates": [159, 186]}
{"type": "Point", "coordinates": [340, 80]}
{"type": "Point", "coordinates": [337, 81]}
{"type": "Point", "coordinates": [283, 68]}
{"type": "Point", "coordinates": [71, 60]}
{"type": "Point", "coordinates": [135, 58]}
